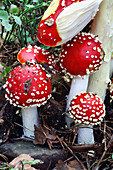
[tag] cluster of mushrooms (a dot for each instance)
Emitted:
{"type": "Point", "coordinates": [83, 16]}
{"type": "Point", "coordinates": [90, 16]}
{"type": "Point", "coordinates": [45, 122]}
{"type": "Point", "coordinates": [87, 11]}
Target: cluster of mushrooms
{"type": "Point", "coordinates": [29, 86]}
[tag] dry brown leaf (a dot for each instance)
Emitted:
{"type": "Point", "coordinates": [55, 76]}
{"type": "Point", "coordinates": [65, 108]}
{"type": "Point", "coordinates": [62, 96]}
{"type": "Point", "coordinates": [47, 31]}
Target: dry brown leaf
{"type": "Point", "coordinates": [40, 138]}
{"type": "Point", "coordinates": [43, 134]}
{"type": "Point", "coordinates": [16, 162]}
{"type": "Point", "coordinates": [72, 165]}
{"type": "Point", "coordinates": [60, 165]}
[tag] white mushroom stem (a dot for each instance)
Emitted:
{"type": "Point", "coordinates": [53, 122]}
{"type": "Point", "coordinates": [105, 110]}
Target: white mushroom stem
{"type": "Point", "coordinates": [78, 85]}
{"type": "Point", "coordinates": [111, 64]}
{"type": "Point", "coordinates": [85, 135]}
{"type": "Point", "coordinates": [30, 118]}
{"type": "Point", "coordinates": [103, 27]}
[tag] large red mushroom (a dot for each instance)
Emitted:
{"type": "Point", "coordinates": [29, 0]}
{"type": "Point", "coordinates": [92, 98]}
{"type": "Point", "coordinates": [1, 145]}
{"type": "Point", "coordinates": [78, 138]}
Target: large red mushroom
{"type": "Point", "coordinates": [86, 109]}
{"type": "Point", "coordinates": [79, 57]}
{"type": "Point", "coordinates": [28, 86]}
{"type": "Point", "coordinates": [63, 19]}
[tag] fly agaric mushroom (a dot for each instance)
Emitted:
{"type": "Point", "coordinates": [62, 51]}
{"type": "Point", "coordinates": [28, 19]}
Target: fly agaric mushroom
{"type": "Point", "coordinates": [28, 86]}
{"type": "Point", "coordinates": [86, 109]}
{"type": "Point", "coordinates": [79, 57]}
{"type": "Point", "coordinates": [64, 19]}
{"type": "Point", "coordinates": [37, 54]}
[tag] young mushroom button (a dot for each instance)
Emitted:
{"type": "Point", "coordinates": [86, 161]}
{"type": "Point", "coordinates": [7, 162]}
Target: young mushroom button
{"type": "Point", "coordinates": [87, 109]}
{"type": "Point", "coordinates": [28, 86]}
{"type": "Point", "coordinates": [63, 19]}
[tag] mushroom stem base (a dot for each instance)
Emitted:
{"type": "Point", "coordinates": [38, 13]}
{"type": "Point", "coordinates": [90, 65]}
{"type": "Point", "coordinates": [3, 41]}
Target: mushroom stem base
{"type": "Point", "coordinates": [85, 135]}
{"type": "Point", "coordinates": [30, 118]}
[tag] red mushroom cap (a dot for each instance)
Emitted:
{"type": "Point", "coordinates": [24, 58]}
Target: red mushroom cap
{"type": "Point", "coordinates": [81, 55]}
{"type": "Point", "coordinates": [47, 30]}
{"type": "Point", "coordinates": [37, 54]}
{"type": "Point", "coordinates": [87, 108]}
{"type": "Point", "coordinates": [33, 54]}
{"type": "Point", "coordinates": [28, 85]}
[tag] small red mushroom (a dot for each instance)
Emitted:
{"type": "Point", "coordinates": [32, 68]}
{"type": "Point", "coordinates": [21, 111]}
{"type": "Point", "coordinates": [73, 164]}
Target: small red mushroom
{"type": "Point", "coordinates": [63, 19]}
{"type": "Point", "coordinates": [86, 109]}
{"type": "Point", "coordinates": [37, 54]}
{"type": "Point", "coordinates": [28, 86]}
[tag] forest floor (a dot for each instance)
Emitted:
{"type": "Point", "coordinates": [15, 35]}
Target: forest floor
{"type": "Point", "coordinates": [53, 133]}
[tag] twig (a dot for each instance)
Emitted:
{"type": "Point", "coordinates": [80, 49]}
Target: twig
{"type": "Point", "coordinates": [104, 134]}
{"type": "Point", "coordinates": [49, 144]}
{"type": "Point", "coordinates": [22, 126]}
{"type": "Point", "coordinates": [87, 160]}
{"type": "Point", "coordinates": [60, 141]}
{"type": "Point", "coordinates": [68, 159]}
{"type": "Point", "coordinates": [43, 131]}
{"type": "Point", "coordinates": [75, 135]}
{"type": "Point", "coordinates": [74, 156]}
{"type": "Point", "coordinates": [108, 146]}
{"type": "Point", "coordinates": [1, 112]}
{"type": "Point", "coordinates": [4, 157]}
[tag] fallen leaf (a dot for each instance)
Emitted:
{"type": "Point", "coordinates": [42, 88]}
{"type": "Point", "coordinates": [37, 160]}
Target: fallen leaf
{"type": "Point", "coordinates": [42, 135]}
{"type": "Point", "coordinates": [60, 165]}
{"type": "Point", "coordinates": [72, 165]}
{"type": "Point", "coordinates": [40, 138]}
{"type": "Point", "coordinates": [16, 162]}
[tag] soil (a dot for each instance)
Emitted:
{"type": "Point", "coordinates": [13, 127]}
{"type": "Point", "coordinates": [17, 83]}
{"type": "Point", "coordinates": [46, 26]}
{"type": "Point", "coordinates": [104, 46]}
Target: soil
{"type": "Point", "coordinates": [52, 121]}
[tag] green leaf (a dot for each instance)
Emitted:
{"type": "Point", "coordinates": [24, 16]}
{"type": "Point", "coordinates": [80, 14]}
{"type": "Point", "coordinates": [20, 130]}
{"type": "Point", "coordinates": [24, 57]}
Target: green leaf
{"type": "Point", "coordinates": [44, 4]}
{"type": "Point", "coordinates": [7, 69]}
{"type": "Point", "coordinates": [6, 24]}
{"type": "Point", "coordinates": [2, 7]}
{"type": "Point", "coordinates": [3, 14]}
{"type": "Point", "coordinates": [112, 156]}
{"type": "Point", "coordinates": [3, 64]}
{"type": "Point", "coordinates": [36, 161]}
{"type": "Point", "coordinates": [3, 74]}
{"type": "Point", "coordinates": [17, 20]}
{"type": "Point", "coordinates": [36, 1]}
{"type": "Point", "coordinates": [29, 39]}
{"type": "Point", "coordinates": [30, 6]}
{"type": "Point", "coordinates": [3, 168]}
{"type": "Point", "coordinates": [14, 9]}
